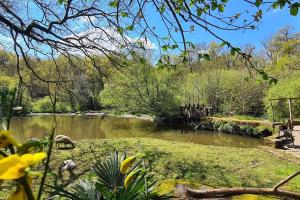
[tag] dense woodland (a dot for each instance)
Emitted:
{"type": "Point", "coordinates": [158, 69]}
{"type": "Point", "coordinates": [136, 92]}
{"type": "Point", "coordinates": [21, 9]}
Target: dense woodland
{"type": "Point", "coordinates": [141, 86]}
{"type": "Point", "coordinates": [141, 57]}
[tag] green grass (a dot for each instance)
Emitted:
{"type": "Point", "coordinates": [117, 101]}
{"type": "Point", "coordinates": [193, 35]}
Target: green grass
{"type": "Point", "coordinates": [243, 120]}
{"type": "Point", "coordinates": [208, 165]}
{"type": "Point", "coordinates": [242, 117]}
{"type": "Point", "coordinates": [182, 163]}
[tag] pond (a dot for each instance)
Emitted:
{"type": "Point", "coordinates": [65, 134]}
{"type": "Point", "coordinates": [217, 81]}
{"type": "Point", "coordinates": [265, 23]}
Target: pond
{"type": "Point", "coordinates": [79, 128]}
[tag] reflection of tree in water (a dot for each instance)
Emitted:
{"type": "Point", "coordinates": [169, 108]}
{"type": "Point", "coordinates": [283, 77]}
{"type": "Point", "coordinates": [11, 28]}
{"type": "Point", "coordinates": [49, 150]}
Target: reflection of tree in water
{"type": "Point", "coordinates": [127, 127]}
{"type": "Point", "coordinates": [207, 138]}
{"type": "Point", "coordinates": [78, 128]}
{"type": "Point", "coordinates": [129, 123]}
{"type": "Point", "coordinates": [26, 127]}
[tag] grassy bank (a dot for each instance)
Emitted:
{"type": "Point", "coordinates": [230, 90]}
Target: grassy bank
{"type": "Point", "coordinates": [233, 125]}
{"type": "Point", "coordinates": [181, 163]}
{"type": "Point", "coordinates": [246, 120]}
{"type": "Point", "coordinates": [208, 165]}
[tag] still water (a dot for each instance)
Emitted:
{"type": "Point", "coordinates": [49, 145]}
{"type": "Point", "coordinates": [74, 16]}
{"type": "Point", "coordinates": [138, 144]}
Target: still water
{"type": "Point", "coordinates": [79, 128]}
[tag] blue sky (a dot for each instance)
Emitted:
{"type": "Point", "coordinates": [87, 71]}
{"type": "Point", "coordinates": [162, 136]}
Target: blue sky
{"type": "Point", "coordinates": [272, 21]}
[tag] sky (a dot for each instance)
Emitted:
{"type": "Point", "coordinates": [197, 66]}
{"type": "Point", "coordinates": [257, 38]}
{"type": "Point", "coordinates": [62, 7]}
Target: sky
{"type": "Point", "coordinates": [272, 21]}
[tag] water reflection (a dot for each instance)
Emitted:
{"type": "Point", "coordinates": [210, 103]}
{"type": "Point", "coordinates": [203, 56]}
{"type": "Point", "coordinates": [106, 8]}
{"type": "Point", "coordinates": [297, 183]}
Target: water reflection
{"type": "Point", "coordinates": [112, 127]}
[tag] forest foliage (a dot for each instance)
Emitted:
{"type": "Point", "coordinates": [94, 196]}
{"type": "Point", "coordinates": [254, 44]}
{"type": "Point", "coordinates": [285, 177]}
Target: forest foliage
{"type": "Point", "coordinates": [141, 87]}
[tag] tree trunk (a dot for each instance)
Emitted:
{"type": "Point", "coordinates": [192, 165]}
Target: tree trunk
{"type": "Point", "coordinates": [239, 191]}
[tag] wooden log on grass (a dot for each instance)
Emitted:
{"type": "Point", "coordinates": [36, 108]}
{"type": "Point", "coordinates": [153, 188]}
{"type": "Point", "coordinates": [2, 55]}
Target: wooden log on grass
{"type": "Point", "coordinates": [275, 191]}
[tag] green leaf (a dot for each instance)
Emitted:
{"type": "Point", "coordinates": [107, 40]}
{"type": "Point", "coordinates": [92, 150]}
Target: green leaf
{"type": "Point", "coordinates": [294, 10]}
{"type": "Point", "coordinates": [113, 4]}
{"type": "Point", "coordinates": [199, 12]}
{"type": "Point", "coordinates": [275, 5]}
{"type": "Point", "coordinates": [142, 60]}
{"type": "Point", "coordinates": [124, 14]}
{"type": "Point", "coordinates": [206, 57]}
{"type": "Point", "coordinates": [281, 3]}
{"type": "Point", "coordinates": [214, 5]}
{"type": "Point", "coordinates": [258, 3]}
{"type": "Point", "coordinates": [192, 45]}
{"type": "Point", "coordinates": [129, 28]}
{"type": "Point", "coordinates": [232, 51]}
{"type": "Point", "coordinates": [221, 8]}
{"type": "Point", "coordinates": [264, 75]}
{"type": "Point", "coordinates": [174, 46]}
{"type": "Point", "coordinates": [237, 49]}
{"type": "Point", "coordinates": [162, 8]}
{"type": "Point", "coordinates": [120, 30]}
{"type": "Point", "coordinates": [61, 1]}
{"type": "Point", "coordinates": [206, 7]}
{"type": "Point", "coordinates": [200, 56]}
{"type": "Point", "coordinates": [165, 47]}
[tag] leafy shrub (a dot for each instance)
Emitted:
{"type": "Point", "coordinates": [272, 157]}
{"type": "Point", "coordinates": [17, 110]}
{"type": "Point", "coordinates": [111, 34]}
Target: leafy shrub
{"type": "Point", "coordinates": [249, 131]}
{"type": "Point", "coordinates": [234, 128]}
{"type": "Point", "coordinates": [44, 105]}
{"type": "Point", "coordinates": [63, 107]}
{"type": "Point", "coordinates": [217, 124]}
{"type": "Point", "coordinates": [25, 100]}
{"type": "Point", "coordinates": [226, 91]}
{"type": "Point", "coordinates": [288, 87]}
{"type": "Point", "coordinates": [228, 127]}
{"type": "Point", "coordinates": [8, 87]}
{"type": "Point", "coordinates": [143, 89]}
{"type": "Point", "coordinates": [264, 131]}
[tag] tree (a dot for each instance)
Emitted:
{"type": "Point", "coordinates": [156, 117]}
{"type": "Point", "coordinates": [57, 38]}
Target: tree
{"type": "Point", "coordinates": [287, 87]}
{"type": "Point", "coordinates": [117, 27]}
{"type": "Point", "coordinates": [283, 51]}
{"type": "Point", "coordinates": [142, 88]}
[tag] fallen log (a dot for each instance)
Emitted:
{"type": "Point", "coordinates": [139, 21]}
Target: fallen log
{"type": "Point", "coordinates": [226, 192]}
{"type": "Point", "coordinates": [239, 191]}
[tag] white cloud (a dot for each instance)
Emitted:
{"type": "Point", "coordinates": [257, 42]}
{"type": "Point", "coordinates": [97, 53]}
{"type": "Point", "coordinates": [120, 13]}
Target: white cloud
{"type": "Point", "coordinates": [146, 42]}
{"type": "Point", "coordinates": [86, 19]}
{"type": "Point", "coordinates": [6, 42]}
{"type": "Point", "coordinates": [107, 38]}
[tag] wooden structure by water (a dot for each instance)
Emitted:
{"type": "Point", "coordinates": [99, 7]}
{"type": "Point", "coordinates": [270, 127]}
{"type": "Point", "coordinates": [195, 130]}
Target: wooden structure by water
{"type": "Point", "coordinates": [192, 114]}
{"type": "Point", "coordinates": [286, 128]}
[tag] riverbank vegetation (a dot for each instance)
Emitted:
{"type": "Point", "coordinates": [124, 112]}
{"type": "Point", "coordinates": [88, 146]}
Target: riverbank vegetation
{"type": "Point", "coordinates": [207, 165]}
{"type": "Point", "coordinates": [142, 87]}
{"type": "Point", "coordinates": [211, 166]}
{"type": "Point", "coordinates": [142, 57]}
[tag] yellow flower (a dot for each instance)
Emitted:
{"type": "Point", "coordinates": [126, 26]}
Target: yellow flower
{"type": "Point", "coordinates": [14, 166]}
{"type": "Point", "coordinates": [6, 139]}
{"type": "Point", "coordinates": [31, 159]}
{"type": "Point", "coordinates": [126, 164]}
{"type": "Point", "coordinates": [130, 177]}
{"type": "Point", "coordinates": [19, 194]}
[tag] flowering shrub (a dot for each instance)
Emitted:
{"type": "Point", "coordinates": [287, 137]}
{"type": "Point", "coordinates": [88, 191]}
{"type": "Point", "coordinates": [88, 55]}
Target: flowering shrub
{"type": "Point", "coordinates": [16, 162]}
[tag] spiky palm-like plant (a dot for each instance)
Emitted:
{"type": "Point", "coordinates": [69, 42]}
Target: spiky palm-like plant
{"type": "Point", "coordinates": [117, 178]}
